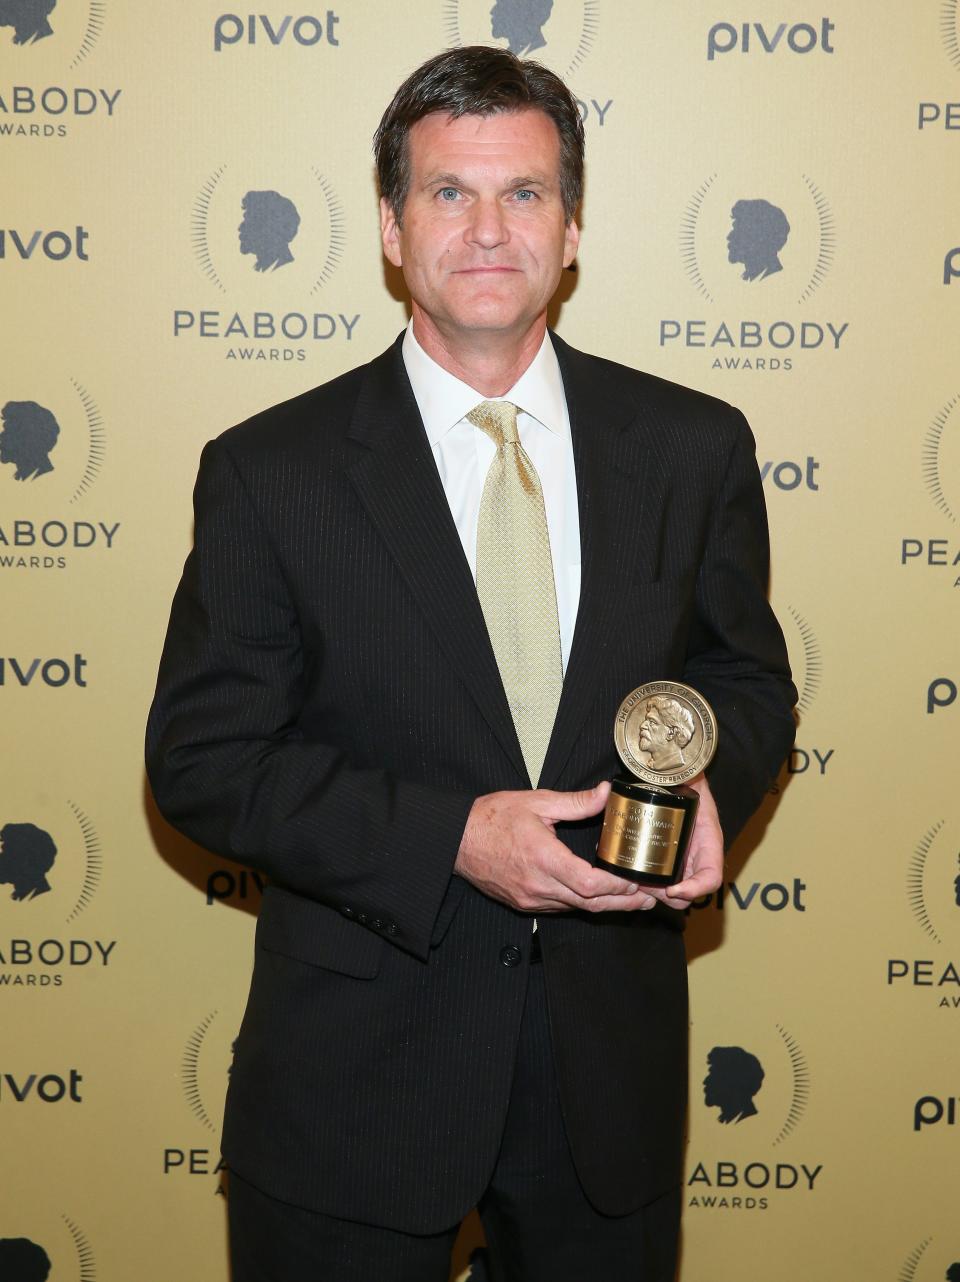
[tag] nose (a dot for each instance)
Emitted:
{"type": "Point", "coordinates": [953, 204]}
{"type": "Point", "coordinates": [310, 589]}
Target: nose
{"type": "Point", "coordinates": [488, 225]}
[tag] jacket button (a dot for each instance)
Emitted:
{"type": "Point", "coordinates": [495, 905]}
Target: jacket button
{"type": "Point", "coordinates": [347, 912]}
{"type": "Point", "coordinates": [378, 924]}
{"type": "Point", "coordinates": [362, 918]}
{"type": "Point", "coordinates": [393, 929]}
{"type": "Point", "coordinates": [511, 955]}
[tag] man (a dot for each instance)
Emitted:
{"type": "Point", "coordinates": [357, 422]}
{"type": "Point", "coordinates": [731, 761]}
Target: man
{"type": "Point", "coordinates": [666, 729]}
{"type": "Point", "coordinates": [387, 685]}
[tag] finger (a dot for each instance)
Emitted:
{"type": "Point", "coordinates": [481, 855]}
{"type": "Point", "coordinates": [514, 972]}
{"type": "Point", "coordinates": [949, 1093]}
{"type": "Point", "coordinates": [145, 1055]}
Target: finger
{"type": "Point", "coordinates": [555, 806]}
{"type": "Point", "coordinates": [642, 901]}
{"type": "Point", "coordinates": [696, 885]}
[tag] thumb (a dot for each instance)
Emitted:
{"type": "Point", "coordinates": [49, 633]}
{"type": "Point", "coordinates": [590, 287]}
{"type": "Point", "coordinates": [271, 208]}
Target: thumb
{"type": "Point", "coordinates": [575, 805]}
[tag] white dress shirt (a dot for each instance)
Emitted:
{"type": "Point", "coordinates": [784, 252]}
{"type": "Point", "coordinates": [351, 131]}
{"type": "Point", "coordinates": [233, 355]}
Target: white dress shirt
{"type": "Point", "coordinates": [463, 455]}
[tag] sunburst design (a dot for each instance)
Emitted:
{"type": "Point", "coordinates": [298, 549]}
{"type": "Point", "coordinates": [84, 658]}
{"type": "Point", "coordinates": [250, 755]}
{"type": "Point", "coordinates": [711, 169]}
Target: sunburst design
{"type": "Point", "coordinates": [94, 861]}
{"type": "Point", "coordinates": [801, 1085]}
{"type": "Point", "coordinates": [451, 22]}
{"type": "Point", "coordinates": [915, 876]}
{"type": "Point", "coordinates": [688, 237]}
{"type": "Point", "coordinates": [949, 22]}
{"type": "Point", "coordinates": [335, 248]}
{"type": "Point", "coordinates": [190, 1070]}
{"type": "Point", "coordinates": [198, 222]}
{"type": "Point", "coordinates": [827, 239]}
{"type": "Point", "coordinates": [96, 447]}
{"type": "Point", "coordinates": [931, 458]}
{"type": "Point", "coordinates": [812, 662]}
{"type": "Point", "coordinates": [588, 33]}
{"type": "Point", "coordinates": [92, 33]}
{"type": "Point", "coordinates": [909, 1270]}
{"type": "Point", "coordinates": [88, 1266]}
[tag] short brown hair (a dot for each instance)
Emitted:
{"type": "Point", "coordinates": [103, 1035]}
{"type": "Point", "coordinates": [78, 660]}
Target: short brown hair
{"type": "Point", "coordinates": [477, 81]}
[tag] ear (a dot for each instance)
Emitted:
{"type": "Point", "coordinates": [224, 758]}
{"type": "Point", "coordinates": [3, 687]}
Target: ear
{"type": "Point", "coordinates": [390, 233]}
{"type": "Point", "coordinates": [571, 242]}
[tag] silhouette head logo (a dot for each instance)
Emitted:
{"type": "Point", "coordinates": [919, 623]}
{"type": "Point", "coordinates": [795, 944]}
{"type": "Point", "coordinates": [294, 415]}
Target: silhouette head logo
{"type": "Point", "coordinates": [28, 19]}
{"type": "Point", "coordinates": [270, 222]}
{"type": "Point", "coordinates": [26, 856]}
{"type": "Point", "coordinates": [27, 435]}
{"type": "Point", "coordinates": [666, 729]}
{"type": "Point", "coordinates": [953, 1273]}
{"type": "Point", "coordinates": [521, 23]}
{"type": "Point", "coordinates": [759, 232]}
{"type": "Point", "coordinates": [733, 1078]}
{"type": "Point", "coordinates": [23, 1261]}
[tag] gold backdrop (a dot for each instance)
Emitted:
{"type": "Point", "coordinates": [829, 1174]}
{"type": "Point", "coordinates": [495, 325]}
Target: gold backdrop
{"type": "Point", "coordinates": [135, 329]}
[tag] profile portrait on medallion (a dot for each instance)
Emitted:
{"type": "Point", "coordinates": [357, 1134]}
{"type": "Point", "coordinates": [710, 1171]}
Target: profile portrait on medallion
{"type": "Point", "coordinates": [28, 433]}
{"type": "Point", "coordinates": [733, 1078]}
{"type": "Point", "coordinates": [520, 23]}
{"type": "Point", "coordinates": [270, 222]}
{"type": "Point", "coordinates": [758, 234]}
{"type": "Point", "coordinates": [23, 1261]}
{"type": "Point", "coordinates": [28, 19]}
{"type": "Point", "coordinates": [666, 729]}
{"type": "Point", "coordinates": [27, 854]}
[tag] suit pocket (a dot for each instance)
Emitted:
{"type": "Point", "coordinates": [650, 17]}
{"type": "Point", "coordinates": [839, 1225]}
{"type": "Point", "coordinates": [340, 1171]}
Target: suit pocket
{"type": "Point", "coordinates": [313, 933]}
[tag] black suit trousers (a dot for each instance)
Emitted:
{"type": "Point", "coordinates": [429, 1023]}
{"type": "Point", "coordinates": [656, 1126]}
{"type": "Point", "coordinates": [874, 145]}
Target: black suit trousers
{"type": "Point", "coordinates": [539, 1224]}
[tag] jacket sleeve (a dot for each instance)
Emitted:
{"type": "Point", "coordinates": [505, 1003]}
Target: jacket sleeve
{"type": "Point", "coordinates": [230, 767]}
{"type": "Point", "coordinates": [737, 657]}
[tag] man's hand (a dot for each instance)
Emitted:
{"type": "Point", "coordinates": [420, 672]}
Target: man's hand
{"type": "Point", "coordinates": [509, 851]}
{"type": "Point", "coordinates": [703, 872]}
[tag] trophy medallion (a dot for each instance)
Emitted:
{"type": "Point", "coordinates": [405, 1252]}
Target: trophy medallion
{"type": "Point", "coordinates": [665, 734]}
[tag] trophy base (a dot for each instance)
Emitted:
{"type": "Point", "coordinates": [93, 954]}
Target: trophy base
{"type": "Point", "coordinates": [646, 831]}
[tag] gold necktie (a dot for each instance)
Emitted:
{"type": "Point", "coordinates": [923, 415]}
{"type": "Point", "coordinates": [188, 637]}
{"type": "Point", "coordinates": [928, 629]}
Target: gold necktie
{"type": "Point", "coordinates": [516, 586]}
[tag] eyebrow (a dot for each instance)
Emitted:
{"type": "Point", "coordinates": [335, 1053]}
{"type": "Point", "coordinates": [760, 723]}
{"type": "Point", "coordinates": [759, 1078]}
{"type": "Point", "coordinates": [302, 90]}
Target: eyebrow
{"type": "Point", "coordinates": [454, 180]}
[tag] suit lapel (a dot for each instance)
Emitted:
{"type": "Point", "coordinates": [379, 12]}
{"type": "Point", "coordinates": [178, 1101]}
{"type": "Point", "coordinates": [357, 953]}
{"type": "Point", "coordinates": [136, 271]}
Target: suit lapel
{"type": "Point", "coordinates": [397, 481]}
{"type": "Point", "coordinates": [615, 460]}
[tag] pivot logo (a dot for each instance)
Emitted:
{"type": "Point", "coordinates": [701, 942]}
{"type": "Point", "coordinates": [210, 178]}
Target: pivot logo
{"type": "Point", "coordinates": [52, 447]}
{"type": "Point", "coordinates": [941, 693]}
{"type": "Point", "coordinates": [940, 1265]}
{"type": "Point", "coordinates": [55, 1249]}
{"type": "Point", "coordinates": [561, 34]}
{"type": "Point", "coordinates": [234, 883]}
{"type": "Point", "coordinates": [51, 1088]}
{"type": "Point", "coordinates": [51, 37]}
{"type": "Point", "coordinates": [205, 1068]}
{"type": "Point", "coordinates": [774, 896]}
{"type": "Point", "coordinates": [269, 246]}
{"type": "Point", "coordinates": [941, 460]}
{"type": "Point", "coordinates": [789, 475]}
{"type": "Point", "coordinates": [770, 250]}
{"type": "Point", "coordinates": [951, 266]}
{"type": "Point", "coordinates": [758, 1093]}
{"type": "Point", "coordinates": [50, 672]}
{"type": "Point", "coordinates": [753, 37]}
{"type": "Point", "coordinates": [933, 896]}
{"type": "Point", "coordinates": [929, 1110]}
{"type": "Point", "coordinates": [51, 867]}
{"type": "Point", "coordinates": [55, 245]}
{"type": "Point", "coordinates": [231, 29]}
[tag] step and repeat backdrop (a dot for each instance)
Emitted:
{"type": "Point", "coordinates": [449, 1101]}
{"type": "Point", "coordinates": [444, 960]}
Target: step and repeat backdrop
{"type": "Point", "coordinates": [188, 233]}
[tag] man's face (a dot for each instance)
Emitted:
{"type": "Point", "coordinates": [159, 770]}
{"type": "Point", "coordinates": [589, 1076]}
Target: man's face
{"type": "Point", "coordinates": [484, 237]}
{"type": "Point", "coordinates": [736, 248]}
{"type": "Point", "coordinates": [653, 733]}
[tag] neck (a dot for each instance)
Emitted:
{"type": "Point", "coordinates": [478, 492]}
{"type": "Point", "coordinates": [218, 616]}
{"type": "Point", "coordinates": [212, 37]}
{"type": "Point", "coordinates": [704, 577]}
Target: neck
{"type": "Point", "coordinates": [491, 362]}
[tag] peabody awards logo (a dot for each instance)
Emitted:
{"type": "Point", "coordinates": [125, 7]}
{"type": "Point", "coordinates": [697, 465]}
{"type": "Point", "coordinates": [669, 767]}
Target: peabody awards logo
{"type": "Point", "coordinates": [941, 468]}
{"type": "Point", "coordinates": [806, 664]}
{"type": "Point", "coordinates": [933, 894]}
{"type": "Point", "coordinates": [936, 1259]}
{"type": "Point", "coordinates": [756, 253]}
{"type": "Point", "coordinates": [555, 32]}
{"type": "Point", "coordinates": [51, 865]}
{"type": "Point", "coordinates": [950, 30]}
{"type": "Point", "coordinates": [204, 1073]}
{"type": "Point", "coordinates": [754, 1097]}
{"type": "Point", "coordinates": [271, 243]}
{"type": "Point", "coordinates": [45, 1248]}
{"type": "Point", "coordinates": [52, 449]}
{"type": "Point", "coordinates": [42, 40]}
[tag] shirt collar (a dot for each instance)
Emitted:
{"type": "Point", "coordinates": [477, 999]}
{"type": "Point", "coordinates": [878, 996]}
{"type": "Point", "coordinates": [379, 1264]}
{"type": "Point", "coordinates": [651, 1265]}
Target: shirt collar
{"type": "Point", "coordinates": [444, 400]}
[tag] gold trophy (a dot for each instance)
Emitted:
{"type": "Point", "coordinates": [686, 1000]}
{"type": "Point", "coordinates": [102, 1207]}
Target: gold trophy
{"type": "Point", "coordinates": [665, 733]}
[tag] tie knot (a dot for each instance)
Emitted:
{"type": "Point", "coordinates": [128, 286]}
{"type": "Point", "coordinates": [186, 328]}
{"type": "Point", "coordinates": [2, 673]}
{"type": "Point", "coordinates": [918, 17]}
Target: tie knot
{"type": "Point", "coordinates": [498, 419]}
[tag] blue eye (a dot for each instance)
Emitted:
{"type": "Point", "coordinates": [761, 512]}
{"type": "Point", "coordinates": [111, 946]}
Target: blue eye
{"type": "Point", "coordinates": [448, 194]}
{"type": "Point", "coordinates": [524, 195]}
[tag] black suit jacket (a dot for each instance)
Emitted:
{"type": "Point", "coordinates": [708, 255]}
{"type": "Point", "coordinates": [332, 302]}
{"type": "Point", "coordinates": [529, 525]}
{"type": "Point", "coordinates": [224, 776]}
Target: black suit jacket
{"type": "Point", "coordinates": [329, 706]}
